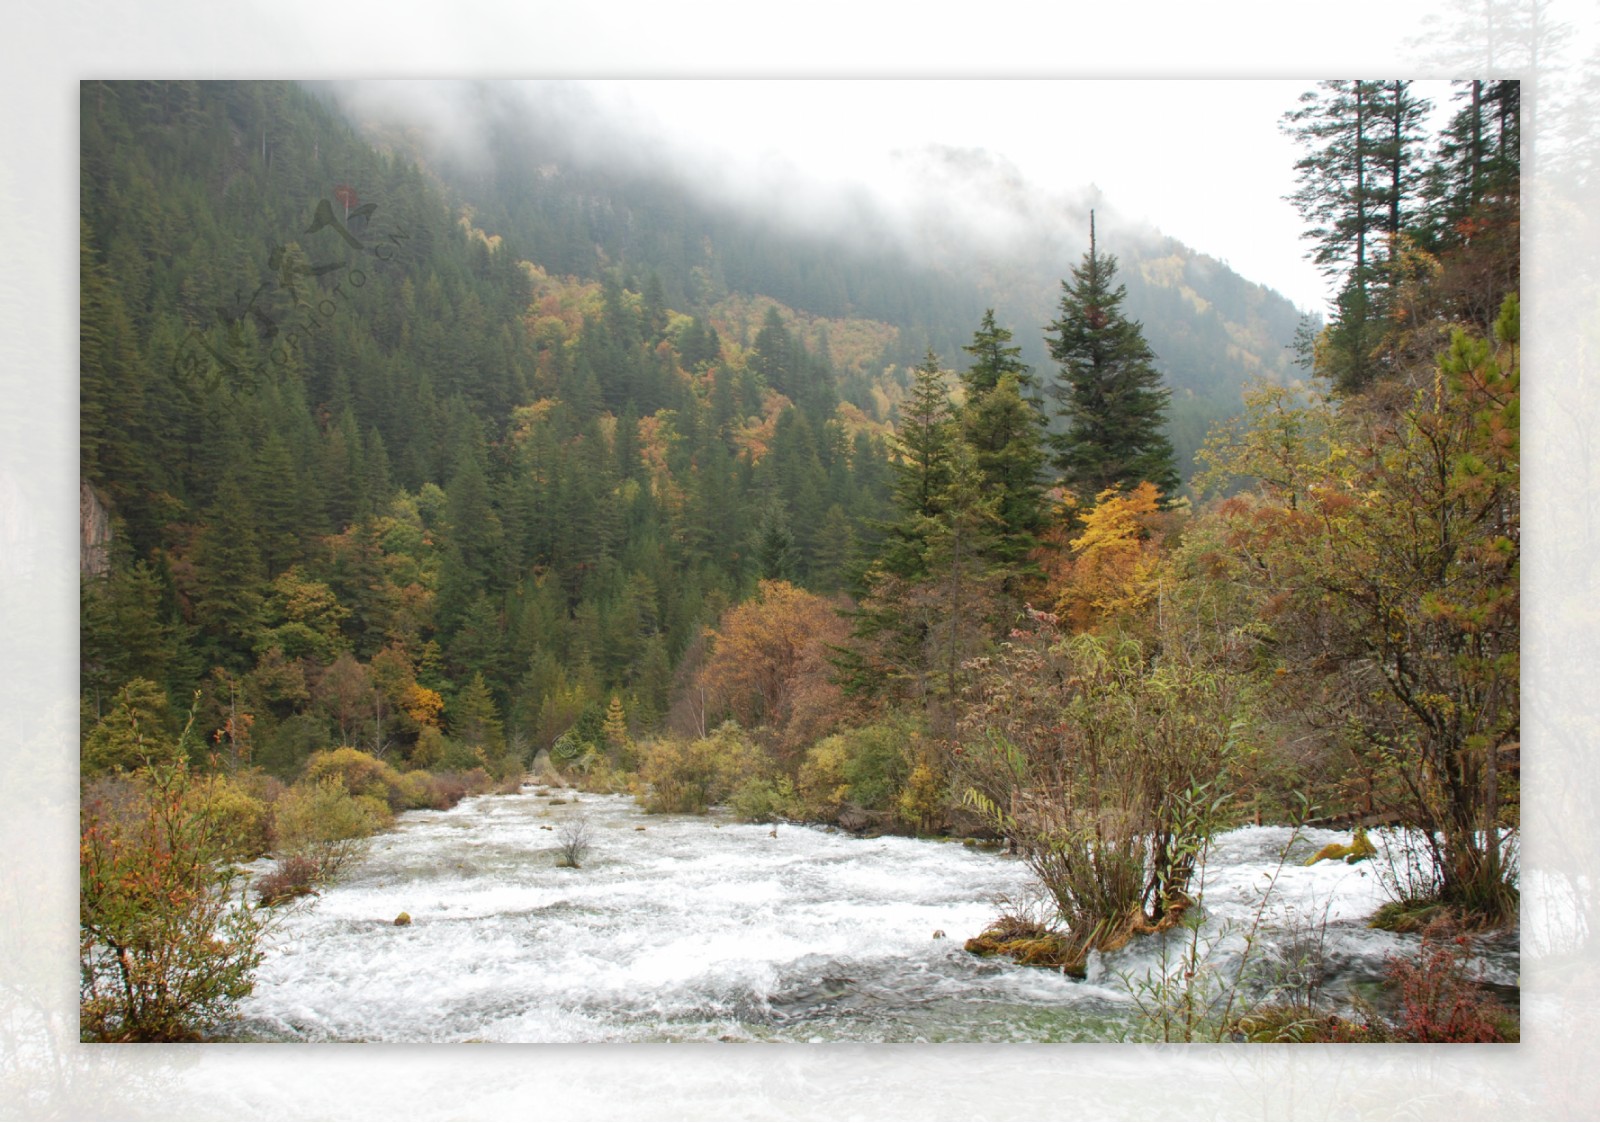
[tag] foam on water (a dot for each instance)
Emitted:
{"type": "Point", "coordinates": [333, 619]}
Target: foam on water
{"type": "Point", "coordinates": [699, 928]}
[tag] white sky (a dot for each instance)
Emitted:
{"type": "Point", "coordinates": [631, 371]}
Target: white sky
{"type": "Point", "coordinates": [1203, 161]}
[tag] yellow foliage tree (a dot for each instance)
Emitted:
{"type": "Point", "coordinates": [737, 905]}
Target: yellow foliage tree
{"type": "Point", "coordinates": [1111, 571]}
{"type": "Point", "coordinates": [423, 706]}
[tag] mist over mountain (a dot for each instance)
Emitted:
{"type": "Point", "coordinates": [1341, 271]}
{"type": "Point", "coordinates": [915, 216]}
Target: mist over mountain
{"type": "Point", "coordinates": [580, 179]}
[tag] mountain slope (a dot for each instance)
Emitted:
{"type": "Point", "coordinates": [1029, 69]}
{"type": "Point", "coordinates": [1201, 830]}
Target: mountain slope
{"type": "Point", "coordinates": [573, 189]}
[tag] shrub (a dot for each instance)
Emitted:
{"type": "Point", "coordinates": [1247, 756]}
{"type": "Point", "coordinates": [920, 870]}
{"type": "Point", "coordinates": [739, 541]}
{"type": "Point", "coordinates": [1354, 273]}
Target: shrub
{"type": "Point", "coordinates": [456, 756]}
{"type": "Point", "coordinates": [572, 840]}
{"type": "Point", "coordinates": [689, 776]}
{"type": "Point", "coordinates": [876, 766]}
{"type": "Point", "coordinates": [242, 821]}
{"type": "Point", "coordinates": [474, 780]}
{"type": "Point", "coordinates": [1439, 999]}
{"type": "Point", "coordinates": [378, 811]}
{"type": "Point", "coordinates": [449, 789]}
{"type": "Point", "coordinates": [871, 767]}
{"type": "Point", "coordinates": [766, 801]}
{"type": "Point", "coordinates": [822, 785]}
{"type": "Point", "coordinates": [416, 790]}
{"type": "Point", "coordinates": [429, 749]}
{"type": "Point", "coordinates": [325, 824]}
{"type": "Point", "coordinates": [920, 801]}
{"type": "Point", "coordinates": [166, 948]}
{"type": "Point", "coordinates": [678, 776]}
{"type": "Point", "coordinates": [1100, 763]}
{"type": "Point", "coordinates": [295, 875]}
{"type": "Point", "coordinates": [436, 791]}
{"type": "Point", "coordinates": [359, 773]}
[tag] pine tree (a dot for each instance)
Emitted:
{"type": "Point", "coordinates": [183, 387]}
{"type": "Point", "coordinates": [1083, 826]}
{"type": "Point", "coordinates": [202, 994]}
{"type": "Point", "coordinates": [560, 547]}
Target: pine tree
{"type": "Point", "coordinates": [1359, 176]}
{"type": "Point", "coordinates": [1475, 178]}
{"type": "Point", "coordinates": [1006, 434]}
{"type": "Point", "coordinates": [993, 359]}
{"type": "Point", "coordinates": [1108, 388]}
{"type": "Point", "coordinates": [963, 578]}
{"type": "Point", "coordinates": [474, 719]}
{"type": "Point", "coordinates": [925, 431]}
{"type": "Point", "coordinates": [775, 353]}
{"type": "Point", "coordinates": [775, 553]}
{"type": "Point", "coordinates": [229, 579]}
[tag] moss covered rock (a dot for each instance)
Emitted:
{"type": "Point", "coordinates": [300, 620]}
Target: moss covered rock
{"type": "Point", "coordinates": [1032, 945]}
{"type": "Point", "coordinates": [1359, 850]}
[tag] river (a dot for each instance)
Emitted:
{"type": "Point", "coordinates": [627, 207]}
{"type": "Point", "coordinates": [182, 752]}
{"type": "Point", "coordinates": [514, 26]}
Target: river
{"type": "Point", "coordinates": [687, 928]}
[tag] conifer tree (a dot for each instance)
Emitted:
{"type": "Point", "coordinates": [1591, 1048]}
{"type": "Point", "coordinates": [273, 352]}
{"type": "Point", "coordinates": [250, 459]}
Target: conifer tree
{"type": "Point", "coordinates": [229, 578]}
{"type": "Point", "coordinates": [1108, 388]}
{"type": "Point", "coordinates": [963, 577]}
{"type": "Point", "coordinates": [993, 358]}
{"type": "Point", "coordinates": [475, 720]}
{"type": "Point", "coordinates": [776, 556]}
{"type": "Point", "coordinates": [1006, 435]}
{"type": "Point", "coordinates": [1358, 178]}
{"type": "Point", "coordinates": [925, 432]}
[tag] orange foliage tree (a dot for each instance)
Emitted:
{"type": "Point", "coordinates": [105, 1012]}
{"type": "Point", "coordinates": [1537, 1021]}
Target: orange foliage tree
{"type": "Point", "coordinates": [1110, 572]}
{"type": "Point", "coordinates": [769, 663]}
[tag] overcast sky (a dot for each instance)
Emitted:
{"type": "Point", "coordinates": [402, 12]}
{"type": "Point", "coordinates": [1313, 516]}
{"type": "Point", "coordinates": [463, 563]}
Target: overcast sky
{"type": "Point", "coordinates": [1204, 161]}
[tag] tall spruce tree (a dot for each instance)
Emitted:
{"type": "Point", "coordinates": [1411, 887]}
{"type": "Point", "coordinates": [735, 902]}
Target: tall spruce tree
{"type": "Point", "coordinates": [1108, 389]}
{"type": "Point", "coordinates": [1358, 180]}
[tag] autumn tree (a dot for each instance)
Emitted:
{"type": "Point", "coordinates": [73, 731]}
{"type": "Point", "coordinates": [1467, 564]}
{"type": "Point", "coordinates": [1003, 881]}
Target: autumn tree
{"type": "Point", "coordinates": [166, 948]}
{"type": "Point", "coordinates": [1109, 571]}
{"type": "Point", "coordinates": [345, 693]}
{"type": "Point", "coordinates": [1386, 545]}
{"type": "Point", "coordinates": [769, 662]}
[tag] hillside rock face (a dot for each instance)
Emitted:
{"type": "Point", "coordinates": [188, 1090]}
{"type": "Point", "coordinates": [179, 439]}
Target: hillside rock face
{"type": "Point", "coordinates": [94, 533]}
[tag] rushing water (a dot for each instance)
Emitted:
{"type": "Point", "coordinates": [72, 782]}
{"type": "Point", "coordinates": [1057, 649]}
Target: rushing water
{"type": "Point", "coordinates": [699, 928]}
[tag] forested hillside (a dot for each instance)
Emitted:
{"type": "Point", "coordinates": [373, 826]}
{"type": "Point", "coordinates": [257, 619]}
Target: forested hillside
{"type": "Point", "coordinates": [537, 175]}
{"type": "Point", "coordinates": [285, 329]}
{"type": "Point", "coordinates": [382, 464]}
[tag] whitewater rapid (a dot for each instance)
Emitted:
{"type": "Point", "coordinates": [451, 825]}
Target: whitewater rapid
{"type": "Point", "coordinates": [691, 928]}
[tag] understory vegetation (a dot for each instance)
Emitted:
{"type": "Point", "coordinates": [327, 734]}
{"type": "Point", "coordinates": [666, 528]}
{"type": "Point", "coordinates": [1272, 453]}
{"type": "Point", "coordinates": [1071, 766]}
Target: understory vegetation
{"type": "Point", "coordinates": [666, 538]}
